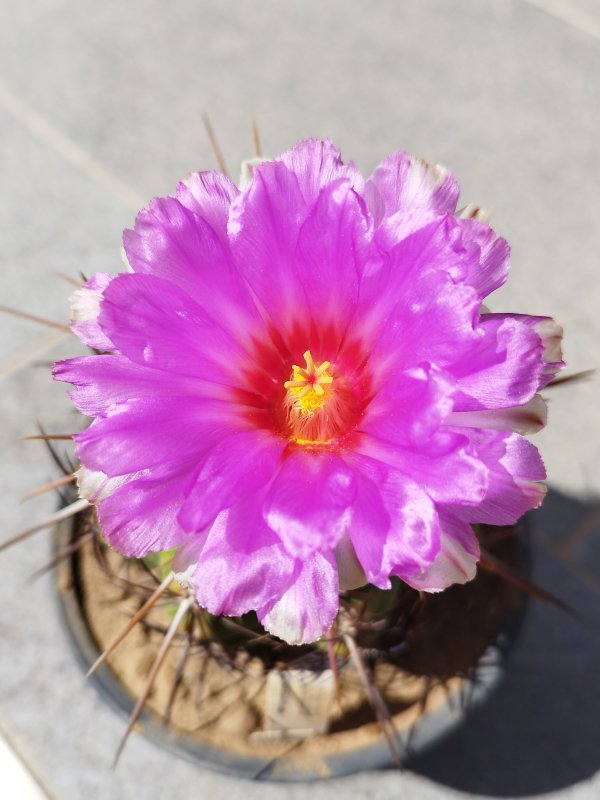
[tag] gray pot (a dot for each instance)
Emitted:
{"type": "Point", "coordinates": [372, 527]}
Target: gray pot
{"type": "Point", "coordinates": [432, 726]}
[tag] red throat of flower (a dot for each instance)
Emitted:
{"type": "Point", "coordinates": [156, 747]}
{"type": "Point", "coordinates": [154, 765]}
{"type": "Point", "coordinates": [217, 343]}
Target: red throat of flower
{"type": "Point", "coordinates": [317, 403]}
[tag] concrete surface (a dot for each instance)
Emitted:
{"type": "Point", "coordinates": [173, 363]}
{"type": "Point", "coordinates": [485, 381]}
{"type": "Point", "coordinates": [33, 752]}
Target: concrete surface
{"type": "Point", "coordinates": [100, 109]}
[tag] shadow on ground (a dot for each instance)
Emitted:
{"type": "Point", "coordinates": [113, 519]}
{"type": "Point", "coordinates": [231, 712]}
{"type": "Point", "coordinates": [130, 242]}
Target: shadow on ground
{"type": "Point", "coordinates": [540, 732]}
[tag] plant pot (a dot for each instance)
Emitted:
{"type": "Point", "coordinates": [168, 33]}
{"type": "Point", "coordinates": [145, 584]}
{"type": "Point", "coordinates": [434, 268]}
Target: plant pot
{"type": "Point", "coordinates": [426, 708]}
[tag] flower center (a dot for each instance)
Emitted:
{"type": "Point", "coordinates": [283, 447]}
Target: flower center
{"type": "Point", "coordinates": [309, 387]}
{"type": "Point", "coordinates": [309, 392]}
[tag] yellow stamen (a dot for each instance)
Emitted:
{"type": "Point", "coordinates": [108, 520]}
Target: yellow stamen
{"type": "Point", "coordinates": [308, 387]}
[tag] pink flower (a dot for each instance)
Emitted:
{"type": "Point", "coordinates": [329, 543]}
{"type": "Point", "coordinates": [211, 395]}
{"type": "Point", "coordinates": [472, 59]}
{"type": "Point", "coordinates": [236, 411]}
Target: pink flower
{"type": "Point", "coordinates": [300, 391]}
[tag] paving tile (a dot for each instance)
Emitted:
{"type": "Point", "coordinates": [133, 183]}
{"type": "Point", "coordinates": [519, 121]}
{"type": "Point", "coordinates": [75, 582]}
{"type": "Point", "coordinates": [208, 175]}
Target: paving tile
{"type": "Point", "coordinates": [16, 775]}
{"type": "Point", "coordinates": [103, 103]}
{"type": "Point", "coordinates": [583, 15]}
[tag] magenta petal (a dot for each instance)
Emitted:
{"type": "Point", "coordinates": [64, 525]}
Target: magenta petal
{"type": "Point", "coordinates": [410, 406]}
{"type": "Point", "coordinates": [307, 608]}
{"type": "Point", "coordinates": [209, 195]}
{"type": "Point", "coordinates": [141, 515]}
{"type": "Point", "coordinates": [308, 504]}
{"type": "Point", "coordinates": [332, 249]}
{"type": "Point", "coordinates": [447, 467]}
{"type": "Point", "coordinates": [490, 255]}
{"type": "Point", "coordinates": [414, 537]}
{"type": "Point", "coordinates": [551, 335]}
{"type": "Point", "coordinates": [243, 565]}
{"type": "Point", "coordinates": [515, 472]}
{"type": "Point", "coordinates": [145, 433]}
{"type": "Point", "coordinates": [433, 328]}
{"type": "Point", "coordinates": [237, 466]}
{"type": "Point", "coordinates": [158, 325]}
{"type": "Point", "coordinates": [370, 527]}
{"type": "Point", "coordinates": [406, 193]}
{"type": "Point", "coordinates": [417, 307]}
{"type": "Point", "coordinates": [504, 368]}
{"type": "Point", "coordinates": [264, 224]}
{"type": "Point", "coordinates": [173, 243]}
{"type": "Point", "coordinates": [394, 527]}
{"type": "Point", "coordinates": [316, 163]}
{"type": "Point", "coordinates": [456, 561]}
{"type": "Point", "coordinates": [436, 249]}
{"type": "Point", "coordinates": [102, 381]}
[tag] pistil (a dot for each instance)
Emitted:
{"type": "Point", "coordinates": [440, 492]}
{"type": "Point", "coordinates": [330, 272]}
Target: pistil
{"type": "Point", "coordinates": [309, 387]}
